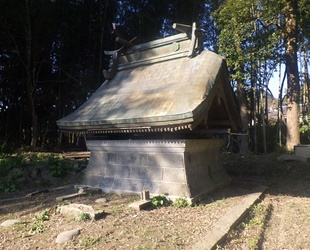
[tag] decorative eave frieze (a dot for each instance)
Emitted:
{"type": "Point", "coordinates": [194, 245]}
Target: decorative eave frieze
{"type": "Point", "coordinates": [132, 130]}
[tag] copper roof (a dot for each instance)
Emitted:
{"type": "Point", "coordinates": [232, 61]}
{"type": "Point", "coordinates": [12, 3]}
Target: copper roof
{"type": "Point", "coordinates": [159, 85]}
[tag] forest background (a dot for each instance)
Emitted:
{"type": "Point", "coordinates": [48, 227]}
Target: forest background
{"type": "Point", "coordinates": [52, 58]}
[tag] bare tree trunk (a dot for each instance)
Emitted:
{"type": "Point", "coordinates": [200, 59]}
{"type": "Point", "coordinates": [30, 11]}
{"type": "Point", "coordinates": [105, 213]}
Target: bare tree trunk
{"type": "Point", "coordinates": [243, 140]}
{"type": "Point", "coordinates": [280, 107]}
{"type": "Point", "coordinates": [253, 107]}
{"type": "Point", "coordinates": [293, 88]}
{"type": "Point", "coordinates": [306, 84]}
{"type": "Point", "coordinates": [304, 94]}
{"type": "Point", "coordinates": [262, 110]}
{"type": "Point", "coordinates": [103, 16]}
{"type": "Point", "coordinates": [8, 114]}
{"type": "Point", "coordinates": [30, 80]}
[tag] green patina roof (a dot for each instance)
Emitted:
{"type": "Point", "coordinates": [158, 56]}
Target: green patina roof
{"type": "Point", "coordinates": [156, 85]}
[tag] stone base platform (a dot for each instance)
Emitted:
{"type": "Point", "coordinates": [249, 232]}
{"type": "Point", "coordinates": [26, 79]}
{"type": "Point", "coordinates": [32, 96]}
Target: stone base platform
{"type": "Point", "coordinates": [302, 150]}
{"type": "Point", "coordinates": [183, 167]}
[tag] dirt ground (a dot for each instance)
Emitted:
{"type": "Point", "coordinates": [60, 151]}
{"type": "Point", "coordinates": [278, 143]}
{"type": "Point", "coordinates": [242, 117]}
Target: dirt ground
{"type": "Point", "coordinates": [281, 220]}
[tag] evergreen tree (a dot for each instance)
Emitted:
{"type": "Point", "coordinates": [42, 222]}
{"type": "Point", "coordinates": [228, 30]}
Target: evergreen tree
{"type": "Point", "coordinates": [259, 27]}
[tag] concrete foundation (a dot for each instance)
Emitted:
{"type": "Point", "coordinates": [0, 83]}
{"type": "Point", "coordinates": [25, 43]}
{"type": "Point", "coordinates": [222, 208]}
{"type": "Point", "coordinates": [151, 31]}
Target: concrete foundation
{"type": "Point", "coordinates": [302, 150]}
{"type": "Point", "coordinates": [186, 168]}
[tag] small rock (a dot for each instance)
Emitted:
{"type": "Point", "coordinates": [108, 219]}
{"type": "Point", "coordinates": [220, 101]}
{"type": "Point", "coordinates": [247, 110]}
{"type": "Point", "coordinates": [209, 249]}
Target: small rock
{"type": "Point", "coordinates": [67, 235]}
{"type": "Point", "coordinates": [292, 158]}
{"type": "Point", "coordinates": [9, 223]}
{"type": "Point", "coordinates": [101, 200]}
{"type": "Point", "coordinates": [140, 205]}
{"type": "Point", "coordinates": [74, 210]}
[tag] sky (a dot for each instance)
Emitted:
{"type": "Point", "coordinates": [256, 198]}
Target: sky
{"type": "Point", "coordinates": [274, 82]}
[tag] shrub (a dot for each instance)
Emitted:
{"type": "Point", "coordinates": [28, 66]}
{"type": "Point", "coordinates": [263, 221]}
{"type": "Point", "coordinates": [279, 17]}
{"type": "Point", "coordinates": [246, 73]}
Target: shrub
{"type": "Point", "coordinates": [181, 202]}
{"type": "Point", "coordinates": [160, 200]}
{"type": "Point", "coordinates": [19, 168]}
{"type": "Point", "coordinates": [58, 167]}
{"type": "Point", "coordinates": [7, 185]}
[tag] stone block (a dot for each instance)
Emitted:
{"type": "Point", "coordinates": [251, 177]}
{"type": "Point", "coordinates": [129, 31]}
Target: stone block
{"type": "Point", "coordinates": [174, 175]}
{"type": "Point", "coordinates": [118, 171]}
{"type": "Point", "coordinates": [94, 169]}
{"type": "Point", "coordinates": [92, 180]}
{"type": "Point", "coordinates": [132, 159]}
{"type": "Point", "coordinates": [200, 184]}
{"type": "Point", "coordinates": [97, 157]}
{"type": "Point", "coordinates": [302, 150]}
{"type": "Point", "coordinates": [112, 158]}
{"type": "Point", "coordinates": [152, 186]}
{"type": "Point", "coordinates": [146, 173]}
{"type": "Point", "coordinates": [192, 159]}
{"type": "Point", "coordinates": [164, 160]}
{"type": "Point", "coordinates": [128, 185]}
{"type": "Point", "coordinates": [106, 182]}
{"type": "Point", "coordinates": [174, 189]}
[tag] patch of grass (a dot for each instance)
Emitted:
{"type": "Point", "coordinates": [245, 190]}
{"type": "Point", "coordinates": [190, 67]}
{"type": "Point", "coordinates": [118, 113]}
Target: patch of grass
{"type": "Point", "coordinates": [155, 239]}
{"type": "Point", "coordinates": [83, 217]}
{"type": "Point", "coordinates": [88, 241]}
{"type": "Point", "coordinates": [133, 198]}
{"type": "Point", "coordinates": [20, 226]}
{"type": "Point", "coordinates": [143, 248]}
{"type": "Point", "coordinates": [37, 227]}
{"type": "Point", "coordinates": [44, 216]}
{"type": "Point", "coordinates": [114, 210]}
{"type": "Point", "coordinates": [64, 202]}
{"type": "Point", "coordinates": [218, 247]}
{"type": "Point", "coordinates": [144, 229]}
{"type": "Point", "coordinates": [212, 203]}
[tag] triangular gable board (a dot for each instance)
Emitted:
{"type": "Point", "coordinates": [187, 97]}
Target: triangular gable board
{"type": "Point", "coordinates": [167, 88]}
